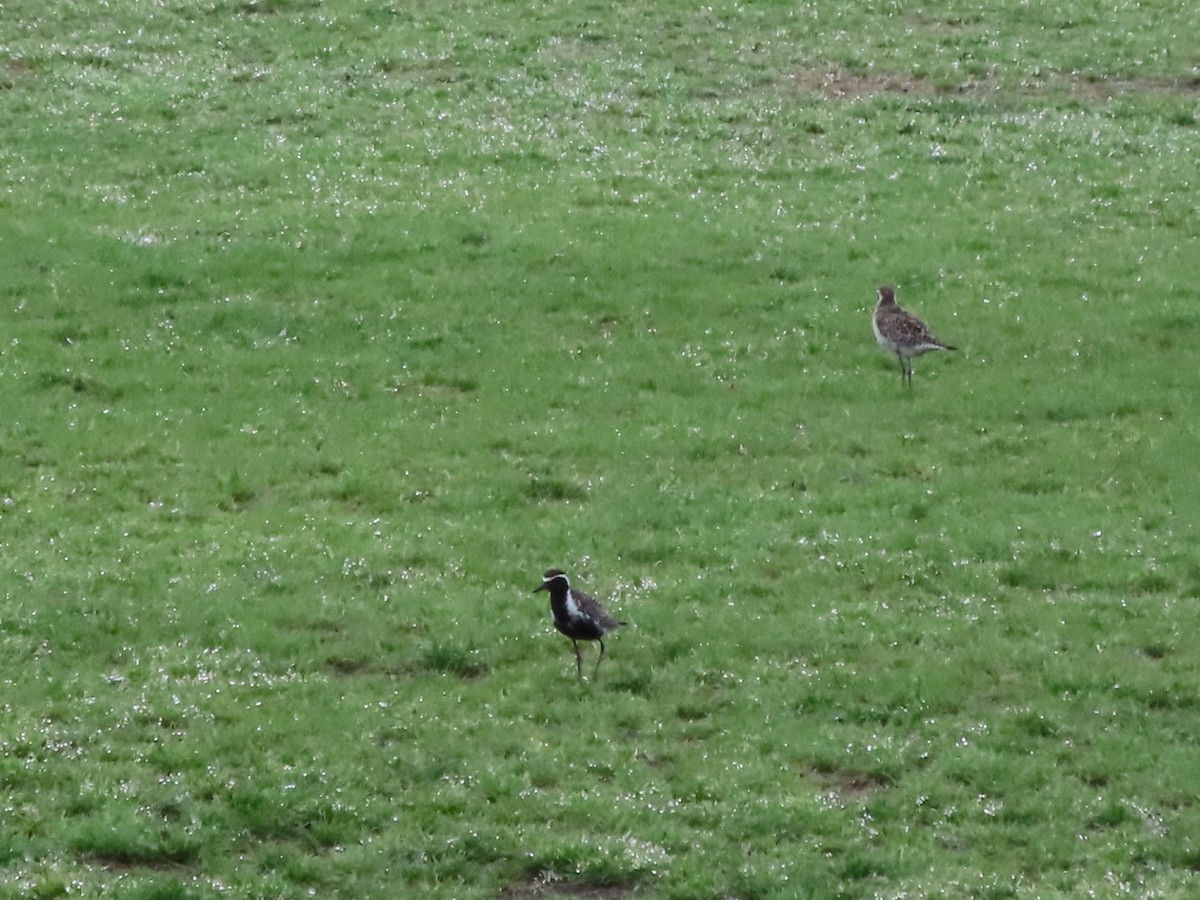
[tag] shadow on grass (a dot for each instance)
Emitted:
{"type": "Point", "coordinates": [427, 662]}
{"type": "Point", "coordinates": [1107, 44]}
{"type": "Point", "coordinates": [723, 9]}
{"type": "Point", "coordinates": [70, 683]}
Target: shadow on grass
{"type": "Point", "coordinates": [449, 658]}
{"type": "Point", "coordinates": [438, 657]}
{"type": "Point", "coordinates": [124, 842]}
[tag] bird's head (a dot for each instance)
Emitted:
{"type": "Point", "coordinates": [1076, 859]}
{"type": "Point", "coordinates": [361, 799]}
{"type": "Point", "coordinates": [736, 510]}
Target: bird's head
{"type": "Point", "coordinates": [886, 294]}
{"type": "Point", "coordinates": [551, 578]}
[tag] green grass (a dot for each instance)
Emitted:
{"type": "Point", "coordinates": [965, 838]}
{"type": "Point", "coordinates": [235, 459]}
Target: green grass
{"type": "Point", "coordinates": [329, 326]}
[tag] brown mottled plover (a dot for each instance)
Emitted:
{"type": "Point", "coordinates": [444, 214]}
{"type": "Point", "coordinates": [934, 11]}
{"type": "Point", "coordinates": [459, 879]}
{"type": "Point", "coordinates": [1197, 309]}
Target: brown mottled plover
{"type": "Point", "coordinates": [578, 616]}
{"type": "Point", "coordinates": [899, 331]}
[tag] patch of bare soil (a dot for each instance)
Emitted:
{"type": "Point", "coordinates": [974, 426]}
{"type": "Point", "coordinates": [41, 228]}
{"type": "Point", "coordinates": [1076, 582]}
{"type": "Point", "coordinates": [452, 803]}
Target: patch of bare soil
{"type": "Point", "coordinates": [850, 784]}
{"type": "Point", "coordinates": [841, 85]}
{"type": "Point", "coordinates": [542, 887]}
{"type": "Point", "coordinates": [838, 84]}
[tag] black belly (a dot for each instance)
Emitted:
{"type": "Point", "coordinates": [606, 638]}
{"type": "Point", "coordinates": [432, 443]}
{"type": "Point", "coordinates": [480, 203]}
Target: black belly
{"type": "Point", "coordinates": [579, 629]}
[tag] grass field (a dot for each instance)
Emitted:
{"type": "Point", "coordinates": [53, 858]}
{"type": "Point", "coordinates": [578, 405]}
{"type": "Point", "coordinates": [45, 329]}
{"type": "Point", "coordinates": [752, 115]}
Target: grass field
{"type": "Point", "coordinates": [328, 326]}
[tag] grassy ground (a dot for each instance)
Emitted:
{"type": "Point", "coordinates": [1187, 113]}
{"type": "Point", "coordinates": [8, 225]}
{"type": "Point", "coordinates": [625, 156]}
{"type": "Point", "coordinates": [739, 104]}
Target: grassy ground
{"type": "Point", "coordinates": [329, 326]}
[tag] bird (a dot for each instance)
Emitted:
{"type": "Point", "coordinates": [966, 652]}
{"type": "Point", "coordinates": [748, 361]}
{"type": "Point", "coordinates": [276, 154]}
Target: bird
{"type": "Point", "coordinates": [899, 331]}
{"type": "Point", "coordinates": [578, 616]}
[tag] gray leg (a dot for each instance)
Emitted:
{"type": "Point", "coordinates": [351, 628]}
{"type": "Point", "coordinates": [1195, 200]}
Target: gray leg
{"type": "Point", "coordinates": [596, 671]}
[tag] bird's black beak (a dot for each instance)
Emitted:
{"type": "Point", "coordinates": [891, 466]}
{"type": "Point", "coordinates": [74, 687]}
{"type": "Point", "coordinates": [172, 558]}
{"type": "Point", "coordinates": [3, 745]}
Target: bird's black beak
{"type": "Point", "coordinates": [541, 587]}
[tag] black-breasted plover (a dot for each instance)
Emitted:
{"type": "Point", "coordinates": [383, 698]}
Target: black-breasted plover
{"type": "Point", "coordinates": [578, 616]}
{"type": "Point", "coordinates": [899, 331]}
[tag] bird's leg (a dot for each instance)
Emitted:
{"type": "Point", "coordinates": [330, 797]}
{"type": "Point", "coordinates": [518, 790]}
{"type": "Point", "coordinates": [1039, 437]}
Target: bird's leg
{"type": "Point", "coordinates": [906, 365]}
{"type": "Point", "coordinates": [578, 660]}
{"type": "Point", "coordinates": [596, 671]}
